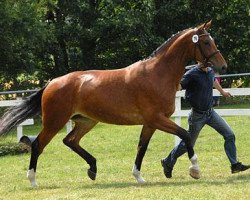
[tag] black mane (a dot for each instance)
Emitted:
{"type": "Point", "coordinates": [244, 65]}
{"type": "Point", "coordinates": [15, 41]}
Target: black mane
{"type": "Point", "coordinates": [167, 43]}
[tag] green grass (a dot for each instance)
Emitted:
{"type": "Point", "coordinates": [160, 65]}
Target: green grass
{"type": "Point", "coordinates": [61, 174]}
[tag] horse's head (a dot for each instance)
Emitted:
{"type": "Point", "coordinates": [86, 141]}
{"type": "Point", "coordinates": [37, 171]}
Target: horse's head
{"type": "Point", "coordinates": [206, 51]}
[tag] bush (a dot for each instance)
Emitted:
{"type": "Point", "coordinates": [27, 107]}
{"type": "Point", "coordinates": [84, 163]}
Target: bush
{"type": "Point", "coordinates": [13, 149]}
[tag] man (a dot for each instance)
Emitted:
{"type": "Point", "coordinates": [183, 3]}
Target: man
{"type": "Point", "coordinates": [199, 83]}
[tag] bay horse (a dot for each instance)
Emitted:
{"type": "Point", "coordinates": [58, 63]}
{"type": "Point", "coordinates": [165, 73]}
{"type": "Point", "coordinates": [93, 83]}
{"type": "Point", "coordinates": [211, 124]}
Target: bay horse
{"type": "Point", "coordinates": [140, 94]}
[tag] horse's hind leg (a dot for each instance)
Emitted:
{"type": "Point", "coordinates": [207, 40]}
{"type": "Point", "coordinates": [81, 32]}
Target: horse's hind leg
{"type": "Point", "coordinates": [37, 147]}
{"type": "Point", "coordinates": [145, 137]}
{"type": "Point", "coordinates": [73, 138]}
{"type": "Point", "coordinates": [52, 122]}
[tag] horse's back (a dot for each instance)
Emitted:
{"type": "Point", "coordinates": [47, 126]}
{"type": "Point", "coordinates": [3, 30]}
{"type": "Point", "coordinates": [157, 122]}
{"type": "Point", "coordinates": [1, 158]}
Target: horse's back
{"type": "Point", "coordinates": [108, 97]}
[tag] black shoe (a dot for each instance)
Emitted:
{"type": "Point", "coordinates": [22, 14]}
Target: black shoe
{"type": "Point", "coordinates": [238, 167]}
{"type": "Point", "coordinates": [166, 169]}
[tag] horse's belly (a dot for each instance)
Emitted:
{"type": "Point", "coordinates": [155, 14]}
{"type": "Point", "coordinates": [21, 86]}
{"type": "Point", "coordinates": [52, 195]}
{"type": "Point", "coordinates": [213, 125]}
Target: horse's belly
{"type": "Point", "coordinates": [125, 119]}
{"type": "Point", "coordinates": [115, 106]}
{"type": "Point", "coordinates": [113, 116]}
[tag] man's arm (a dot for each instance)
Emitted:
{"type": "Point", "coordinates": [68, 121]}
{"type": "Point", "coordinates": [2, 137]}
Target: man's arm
{"type": "Point", "coordinates": [186, 79]}
{"type": "Point", "coordinates": [220, 89]}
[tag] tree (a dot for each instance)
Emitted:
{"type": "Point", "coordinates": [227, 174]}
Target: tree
{"type": "Point", "coordinates": [105, 34]}
{"type": "Point", "coordinates": [48, 38]}
{"type": "Point", "coordinates": [21, 37]}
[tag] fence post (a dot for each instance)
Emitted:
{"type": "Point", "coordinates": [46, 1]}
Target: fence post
{"type": "Point", "coordinates": [19, 132]}
{"type": "Point", "coordinates": [19, 128]}
{"type": "Point", "coordinates": [177, 118]}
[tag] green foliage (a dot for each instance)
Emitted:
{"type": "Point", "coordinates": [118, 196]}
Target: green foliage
{"type": "Point", "coordinates": [20, 37]}
{"type": "Point", "coordinates": [12, 149]}
{"type": "Point", "coordinates": [234, 34]}
{"type": "Point", "coordinates": [48, 38]}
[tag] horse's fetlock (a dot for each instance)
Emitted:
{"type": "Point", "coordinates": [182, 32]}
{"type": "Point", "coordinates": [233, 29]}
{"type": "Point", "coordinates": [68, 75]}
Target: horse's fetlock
{"type": "Point", "coordinates": [93, 161]}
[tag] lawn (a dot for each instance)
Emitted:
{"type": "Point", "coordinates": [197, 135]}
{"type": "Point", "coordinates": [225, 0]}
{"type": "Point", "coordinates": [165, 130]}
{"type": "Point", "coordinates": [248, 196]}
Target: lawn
{"type": "Point", "coordinates": [62, 174]}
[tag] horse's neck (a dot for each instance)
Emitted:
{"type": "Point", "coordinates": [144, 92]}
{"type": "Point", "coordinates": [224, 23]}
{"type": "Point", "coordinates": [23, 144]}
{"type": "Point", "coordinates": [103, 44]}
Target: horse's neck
{"type": "Point", "coordinates": [169, 69]}
{"type": "Point", "coordinates": [172, 62]}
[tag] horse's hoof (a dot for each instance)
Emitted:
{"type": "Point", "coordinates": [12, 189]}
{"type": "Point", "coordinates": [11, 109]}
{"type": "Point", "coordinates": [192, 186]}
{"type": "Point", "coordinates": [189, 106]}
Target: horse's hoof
{"type": "Point", "coordinates": [140, 180]}
{"type": "Point", "coordinates": [194, 172]}
{"type": "Point", "coordinates": [31, 175]}
{"type": "Point", "coordinates": [34, 185]}
{"type": "Point", "coordinates": [91, 174]}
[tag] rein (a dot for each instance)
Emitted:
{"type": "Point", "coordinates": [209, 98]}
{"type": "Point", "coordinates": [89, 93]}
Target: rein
{"type": "Point", "coordinates": [206, 58]}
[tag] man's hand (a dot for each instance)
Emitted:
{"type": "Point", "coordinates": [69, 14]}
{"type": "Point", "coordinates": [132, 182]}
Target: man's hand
{"type": "Point", "coordinates": [220, 89]}
{"type": "Point", "coordinates": [226, 94]}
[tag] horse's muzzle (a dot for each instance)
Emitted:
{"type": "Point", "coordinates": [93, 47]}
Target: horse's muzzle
{"type": "Point", "coordinates": [223, 69]}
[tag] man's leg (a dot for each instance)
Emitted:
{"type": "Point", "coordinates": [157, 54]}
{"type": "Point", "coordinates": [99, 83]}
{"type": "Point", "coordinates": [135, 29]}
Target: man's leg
{"type": "Point", "coordinates": [221, 126]}
{"type": "Point", "coordinates": [169, 162]}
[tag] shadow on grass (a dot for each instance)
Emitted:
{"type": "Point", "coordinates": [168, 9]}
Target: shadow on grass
{"type": "Point", "coordinates": [239, 178]}
{"type": "Point", "coordinates": [40, 187]}
{"type": "Point", "coordinates": [234, 179]}
{"type": "Point", "coordinates": [231, 180]}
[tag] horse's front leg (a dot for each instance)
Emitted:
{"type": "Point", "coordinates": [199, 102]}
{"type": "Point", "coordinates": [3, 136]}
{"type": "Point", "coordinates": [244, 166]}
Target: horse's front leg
{"type": "Point", "coordinates": [194, 170]}
{"type": "Point", "coordinates": [145, 137]}
{"type": "Point", "coordinates": [166, 125]}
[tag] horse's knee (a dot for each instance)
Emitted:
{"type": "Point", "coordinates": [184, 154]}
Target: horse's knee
{"type": "Point", "coordinates": [183, 134]}
{"type": "Point", "coordinates": [68, 142]}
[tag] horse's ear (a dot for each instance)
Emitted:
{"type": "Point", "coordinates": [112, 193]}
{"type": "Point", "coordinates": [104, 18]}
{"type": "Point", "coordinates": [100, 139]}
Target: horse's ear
{"type": "Point", "coordinates": [205, 26]}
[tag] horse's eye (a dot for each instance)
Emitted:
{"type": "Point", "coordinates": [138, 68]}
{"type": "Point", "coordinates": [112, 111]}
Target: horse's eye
{"type": "Point", "coordinates": [207, 43]}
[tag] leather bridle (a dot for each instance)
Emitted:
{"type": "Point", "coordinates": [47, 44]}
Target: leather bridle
{"type": "Point", "coordinates": [206, 61]}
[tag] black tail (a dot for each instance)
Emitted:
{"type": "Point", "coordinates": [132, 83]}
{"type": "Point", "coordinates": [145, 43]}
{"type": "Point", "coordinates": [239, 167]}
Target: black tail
{"type": "Point", "coordinates": [30, 107]}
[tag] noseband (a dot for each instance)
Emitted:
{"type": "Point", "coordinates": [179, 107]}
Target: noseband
{"type": "Point", "coordinates": [206, 57]}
